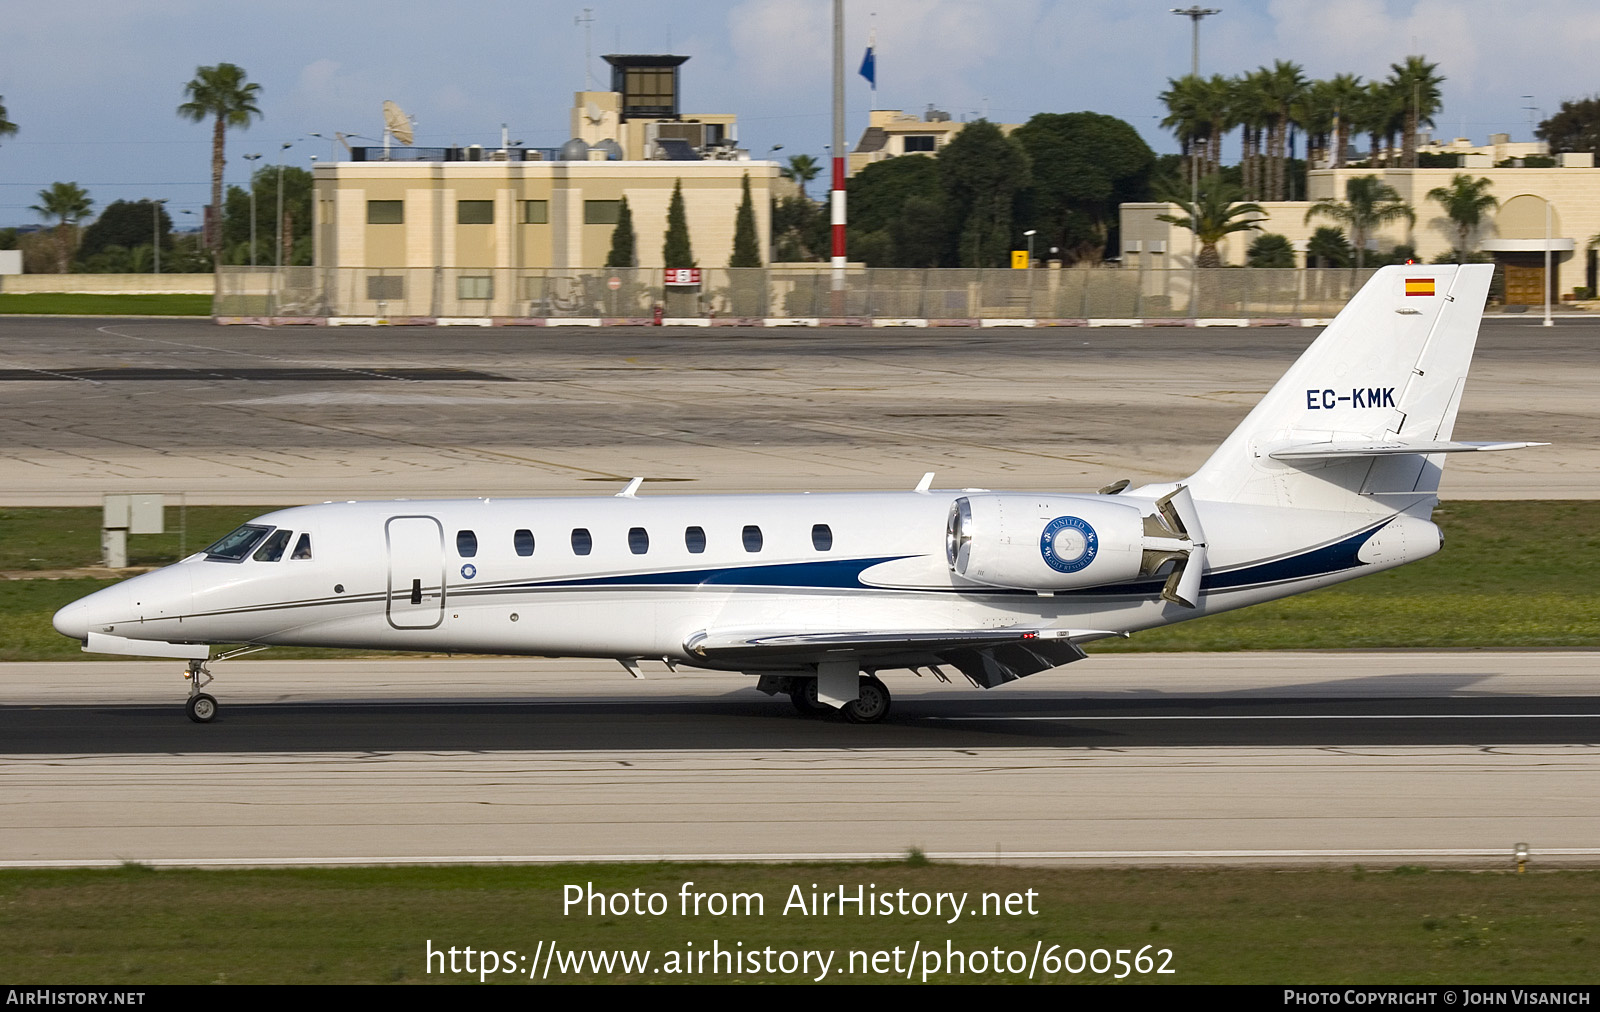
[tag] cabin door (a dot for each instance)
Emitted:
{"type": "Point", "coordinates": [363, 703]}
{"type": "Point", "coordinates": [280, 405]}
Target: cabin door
{"type": "Point", "coordinates": [416, 572]}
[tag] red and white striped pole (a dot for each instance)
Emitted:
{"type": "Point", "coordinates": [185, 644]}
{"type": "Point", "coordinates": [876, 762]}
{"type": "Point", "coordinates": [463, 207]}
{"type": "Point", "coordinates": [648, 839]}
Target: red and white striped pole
{"type": "Point", "coordinates": [837, 195]}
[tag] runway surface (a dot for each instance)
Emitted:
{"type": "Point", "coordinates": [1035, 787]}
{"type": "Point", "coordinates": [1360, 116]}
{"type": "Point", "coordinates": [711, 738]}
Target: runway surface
{"type": "Point", "coordinates": [289, 415]}
{"type": "Point", "coordinates": [1321, 757]}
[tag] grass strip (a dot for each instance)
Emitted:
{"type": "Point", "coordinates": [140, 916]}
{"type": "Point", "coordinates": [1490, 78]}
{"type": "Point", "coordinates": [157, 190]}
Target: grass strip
{"type": "Point", "coordinates": [84, 304]}
{"type": "Point", "coordinates": [1512, 574]}
{"type": "Point", "coordinates": [371, 925]}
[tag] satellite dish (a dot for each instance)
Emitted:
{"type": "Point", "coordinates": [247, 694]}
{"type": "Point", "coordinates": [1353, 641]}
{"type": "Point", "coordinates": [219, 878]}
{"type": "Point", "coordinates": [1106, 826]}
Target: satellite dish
{"type": "Point", "coordinates": [397, 123]}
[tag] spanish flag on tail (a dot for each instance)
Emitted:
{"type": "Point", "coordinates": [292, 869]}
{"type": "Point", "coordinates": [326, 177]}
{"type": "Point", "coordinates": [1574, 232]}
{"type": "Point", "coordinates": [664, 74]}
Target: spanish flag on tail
{"type": "Point", "coordinates": [1419, 286]}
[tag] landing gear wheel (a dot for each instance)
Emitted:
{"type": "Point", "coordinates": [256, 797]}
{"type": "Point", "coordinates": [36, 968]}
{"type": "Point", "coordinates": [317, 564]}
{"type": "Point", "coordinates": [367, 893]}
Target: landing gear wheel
{"type": "Point", "coordinates": [872, 705]}
{"type": "Point", "coordinates": [804, 698]}
{"type": "Point", "coordinates": [201, 708]}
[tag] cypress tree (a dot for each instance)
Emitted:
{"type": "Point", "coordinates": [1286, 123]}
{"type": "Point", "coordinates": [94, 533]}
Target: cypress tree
{"type": "Point", "coordinates": [675, 252]}
{"type": "Point", "coordinates": [746, 247]}
{"type": "Point", "coordinates": [622, 239]}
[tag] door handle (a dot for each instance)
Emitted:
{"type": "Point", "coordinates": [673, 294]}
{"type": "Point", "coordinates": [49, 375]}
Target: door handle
{"type": "Point", "coordinates": [416, 591]}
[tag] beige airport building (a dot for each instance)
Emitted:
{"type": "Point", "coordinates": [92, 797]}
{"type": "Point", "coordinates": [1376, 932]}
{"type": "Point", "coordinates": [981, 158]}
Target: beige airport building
{"type": "Point", "coordinates": [1514, 232]}
{"type": "Point", "coordinates": [511, 207]}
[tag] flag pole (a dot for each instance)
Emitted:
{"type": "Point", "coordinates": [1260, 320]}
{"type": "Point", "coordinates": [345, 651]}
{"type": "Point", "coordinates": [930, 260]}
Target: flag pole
{"type": "Point", "coordinates": [837, 196]}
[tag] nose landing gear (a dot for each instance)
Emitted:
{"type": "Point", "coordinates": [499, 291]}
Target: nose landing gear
{"type": "Point", "coordinates": [202, 706]}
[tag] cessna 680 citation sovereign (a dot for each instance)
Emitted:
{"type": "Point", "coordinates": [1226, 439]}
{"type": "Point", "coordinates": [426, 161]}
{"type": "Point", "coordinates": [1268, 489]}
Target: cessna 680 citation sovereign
{"type": "Point", "coordinates": [1333, 475]}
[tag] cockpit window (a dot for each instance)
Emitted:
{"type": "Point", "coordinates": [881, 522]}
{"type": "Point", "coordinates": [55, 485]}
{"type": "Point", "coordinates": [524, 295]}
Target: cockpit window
{"type": "Point", "coordinates": [271, 550]}
{"type": "Point", "coordinates": [236, 547]}
{"type": "Point", "coordinates": [302, 548]}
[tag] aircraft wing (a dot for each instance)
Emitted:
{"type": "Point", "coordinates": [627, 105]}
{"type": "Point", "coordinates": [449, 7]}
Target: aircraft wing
{"type": "Point", "coordinates": [987, 657]}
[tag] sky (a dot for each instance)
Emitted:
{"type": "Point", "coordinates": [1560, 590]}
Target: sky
{"type": "Point", "coordinates": [94, 84]}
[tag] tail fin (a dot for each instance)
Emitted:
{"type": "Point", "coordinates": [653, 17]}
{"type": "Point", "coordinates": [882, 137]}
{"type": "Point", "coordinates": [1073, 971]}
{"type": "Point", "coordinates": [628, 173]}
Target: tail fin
{"type": "Point", "coordinates": [1369, 409]}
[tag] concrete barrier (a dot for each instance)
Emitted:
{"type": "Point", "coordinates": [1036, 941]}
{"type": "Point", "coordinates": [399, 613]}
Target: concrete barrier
{"type": "Point", "coordinates": [108, 284]}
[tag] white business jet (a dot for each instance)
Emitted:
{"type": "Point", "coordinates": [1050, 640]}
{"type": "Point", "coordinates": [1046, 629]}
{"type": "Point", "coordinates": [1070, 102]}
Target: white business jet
{"type": "Point", "coordinates": [1333, 475]}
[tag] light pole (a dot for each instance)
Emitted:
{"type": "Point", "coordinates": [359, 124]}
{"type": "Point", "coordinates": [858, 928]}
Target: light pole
{"type": "Point", "coordinates": [1194, 14]}
{"type": "Point", "coordinates": [252, 160]}
{"type": "Point", "coordinates": [277, 230]}
{"type": "Point", "coordinates": [155, 229]}
{"type": "Point", "coordinates": [1547, 321]}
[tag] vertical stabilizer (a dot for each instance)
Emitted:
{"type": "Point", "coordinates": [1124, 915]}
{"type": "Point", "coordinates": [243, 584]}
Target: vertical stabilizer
{"type": "Point", "coordinates": [1391, 366]}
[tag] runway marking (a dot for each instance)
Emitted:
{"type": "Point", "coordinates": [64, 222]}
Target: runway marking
{"type": "Point", "coordinates": [1581, 854]}
{"type": "Point", "coordinates": [1297, 716]}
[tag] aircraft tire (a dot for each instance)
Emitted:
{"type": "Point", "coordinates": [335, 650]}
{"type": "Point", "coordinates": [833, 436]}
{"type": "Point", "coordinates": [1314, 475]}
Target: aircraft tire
{"type": "Point", "coordinates": [872, 705]}
{"type": "Point", "coordinates": [201, 708]}
{"type": "Point", "coordinates": [804, 698]}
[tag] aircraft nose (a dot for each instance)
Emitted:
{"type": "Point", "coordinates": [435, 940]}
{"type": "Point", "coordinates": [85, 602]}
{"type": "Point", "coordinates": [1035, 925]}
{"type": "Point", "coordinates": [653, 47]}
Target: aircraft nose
{"type": "Point", "coordinates": [73, 620]}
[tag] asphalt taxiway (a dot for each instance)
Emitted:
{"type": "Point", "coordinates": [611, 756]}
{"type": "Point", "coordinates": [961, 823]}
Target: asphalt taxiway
{"type": "Point", "coordinates": [291, 415]}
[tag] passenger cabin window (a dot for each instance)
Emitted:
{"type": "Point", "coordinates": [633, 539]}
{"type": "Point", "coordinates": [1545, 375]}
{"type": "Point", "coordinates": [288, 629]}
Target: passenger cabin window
{"type": "Point", "coordinates": [694, 539]}
{"type": "Point", "coordinates": [466, 544]}
{"type": "Point", "coordinates": [523, 540]}
{"type": "Point", "coordinates": [237, 545]}
{"type": "Point", "coordinates": [271, 550]}
{"type": "Point", "coordinates": [638, 540]}
{"type": "Point", "coordinates": [582, 543]}
{"type": "Point", "coordinates": [821, 537]}
{"type": "Point", "coordinates": [302, 548]}
{"type": "Point", "coordinates": [752, 538]}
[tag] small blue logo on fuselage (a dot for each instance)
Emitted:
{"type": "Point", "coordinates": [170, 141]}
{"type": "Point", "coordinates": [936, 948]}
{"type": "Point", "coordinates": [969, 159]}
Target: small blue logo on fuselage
{"type": "Point", "coordinates": [469, 571]}
{"type": "Point", "coordinates": [1068, 544]}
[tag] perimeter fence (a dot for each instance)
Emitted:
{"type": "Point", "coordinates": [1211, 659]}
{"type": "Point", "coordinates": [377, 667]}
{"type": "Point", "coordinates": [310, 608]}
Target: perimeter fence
{"type": "Point", "coordinates": [936, 295]}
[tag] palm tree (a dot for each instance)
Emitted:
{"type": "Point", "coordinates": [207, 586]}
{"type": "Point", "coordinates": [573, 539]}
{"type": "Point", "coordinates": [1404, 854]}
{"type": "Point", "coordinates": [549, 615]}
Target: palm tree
{"type": "Point", "coordinates": [1250, 112]}
{"type": "Point", "coordinates": [1345, 91]}
{"type": "Point", "coordinates": [7, 128]}
{"type": "Point", "coordinates": [1183, 119]}
{"type": "Point", "coordinates": [69, 203]}
{"type": "Point", "coordinates": [219, 91]}
{"type": "Point", "coordinates": [1417, 87]}
{"type": "Point", "coordinates": [1369, 202]}
{"type": "Point", "coordinates": [1213, 216]}
{"type": "Point", "coordinates": [802, 169]}
{"type": "Point", "coordinates": [1464, 201]}
{"type": "Point", "coordinates": [1282, 85]}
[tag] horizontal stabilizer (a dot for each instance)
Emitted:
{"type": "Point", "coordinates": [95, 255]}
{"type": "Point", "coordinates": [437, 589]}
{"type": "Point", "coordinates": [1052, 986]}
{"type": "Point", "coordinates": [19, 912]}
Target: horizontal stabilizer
{"type": "Point", "coordinates": [1383, 448]}
{"type": "Point", "coordinates": [100, 643]}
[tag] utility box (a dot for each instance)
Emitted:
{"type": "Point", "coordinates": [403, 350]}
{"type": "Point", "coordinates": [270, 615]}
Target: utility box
{"type": "Point", "coordinates": [124, 515]}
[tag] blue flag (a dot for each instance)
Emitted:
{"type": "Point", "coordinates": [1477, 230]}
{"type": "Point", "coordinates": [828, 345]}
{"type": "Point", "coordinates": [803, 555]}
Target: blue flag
{"type": "Point", "coordinates": [869, 69]}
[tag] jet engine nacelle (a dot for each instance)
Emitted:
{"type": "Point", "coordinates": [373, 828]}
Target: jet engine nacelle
{"type": "Point", "coordinates": [1044, 543]}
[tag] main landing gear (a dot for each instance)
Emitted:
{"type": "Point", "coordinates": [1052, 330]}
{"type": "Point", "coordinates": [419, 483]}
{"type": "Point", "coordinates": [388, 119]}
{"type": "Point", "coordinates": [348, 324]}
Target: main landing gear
{"type": "Point", "coordinates": [870, 705]}
{"type": "Point", "coordinates": [202, 706]}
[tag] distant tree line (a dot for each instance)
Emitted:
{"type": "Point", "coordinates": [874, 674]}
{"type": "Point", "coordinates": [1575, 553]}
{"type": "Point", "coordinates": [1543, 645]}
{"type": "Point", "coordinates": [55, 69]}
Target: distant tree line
{"type": "Point", "coordinates": [1061, 175]}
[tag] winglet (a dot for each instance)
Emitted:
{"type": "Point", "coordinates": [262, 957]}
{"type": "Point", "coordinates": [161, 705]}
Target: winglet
{"type": "Point", "coordinates": [633, 486]}
{"type": "Point", "coordinates": [926, 482]}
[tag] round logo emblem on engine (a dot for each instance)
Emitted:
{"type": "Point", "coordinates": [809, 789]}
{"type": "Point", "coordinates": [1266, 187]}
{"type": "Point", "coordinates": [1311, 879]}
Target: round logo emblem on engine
{"type": "Point", "coordinates": [469, 571]}
{"type": "Point", "coordinates": [1068, 544]}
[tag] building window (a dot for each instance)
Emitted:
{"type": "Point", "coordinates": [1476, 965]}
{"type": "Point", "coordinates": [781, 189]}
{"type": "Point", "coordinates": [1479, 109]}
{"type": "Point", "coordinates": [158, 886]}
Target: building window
{"type": "Point", "coordinates": [523, 540]}
{"type": "Point", "coordinates": [582, 543]}
{"type": "Point", "coordinates": [536, 212]}
{"type": "Point", "coordinates": [694, 539]}
{"type": "Point", "coordinates": [821, 537]}
{"type": "Point", "coordinates": [466, 544]}
{"type": "Point", "coordinates": [475, 286]}
{"type": "Point", "coordinates": [638, 540]}
{"type": "Point", "coordinates": [386, 287]}
{"type": "Point", "coordinates": [919, 142]}
{"type": "Point", "coordinates": [474, 212]}
{"type": "Point", "coordinates": [601, 212]}
{"type": "Point", "coordinates": [752, 538]}
{"type": "Point", "coordinates": [386, 212]}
